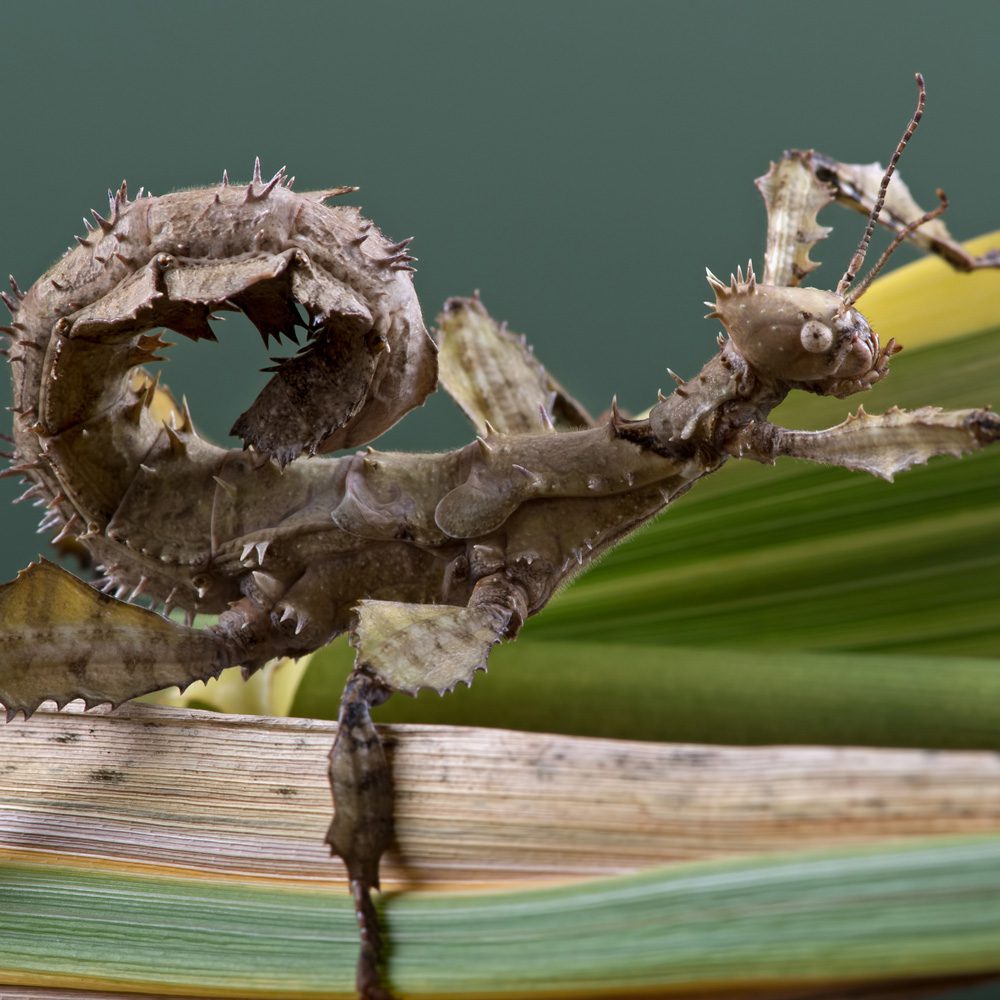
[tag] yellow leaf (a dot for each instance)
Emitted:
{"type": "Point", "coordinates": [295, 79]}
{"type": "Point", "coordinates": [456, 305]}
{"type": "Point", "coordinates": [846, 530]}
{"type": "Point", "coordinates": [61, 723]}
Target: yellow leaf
{"type": "Point", "coordinates": [929, 302]}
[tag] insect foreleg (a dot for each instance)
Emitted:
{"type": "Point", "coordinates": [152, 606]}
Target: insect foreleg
{"type": "Point", "coordinates": [856, 186]}
{"type": "Point", "coordinates": [880, 444]}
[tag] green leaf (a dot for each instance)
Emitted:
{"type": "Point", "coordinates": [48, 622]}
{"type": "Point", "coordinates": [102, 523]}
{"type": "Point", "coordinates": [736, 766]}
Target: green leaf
{"type": "Point", "coordinates": [802, 557]}
{"type": "Point", "coordinates": [921, 910]}
{"type": "Point", "coordinates": [702, 695]}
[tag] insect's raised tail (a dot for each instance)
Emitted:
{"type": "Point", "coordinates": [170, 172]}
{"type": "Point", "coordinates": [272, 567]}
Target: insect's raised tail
{"type": "Point", "coordinates": [61, 640]}
{"type": "Point", "coordinates": [102, 446]}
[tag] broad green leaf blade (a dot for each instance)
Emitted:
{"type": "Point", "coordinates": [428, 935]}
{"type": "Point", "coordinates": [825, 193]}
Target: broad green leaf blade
{"type": "Point", "coordinates": [729, 696]}
{"type": "Point", "coordinates": [797, 556]}
{"type": "Point", "coordinates": [884, 913]}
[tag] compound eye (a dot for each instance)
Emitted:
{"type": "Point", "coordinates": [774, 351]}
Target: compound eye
{"type": "Point", "coordinates": [816, 337]}
{"type": "Point", "coordinates": [847, 322]}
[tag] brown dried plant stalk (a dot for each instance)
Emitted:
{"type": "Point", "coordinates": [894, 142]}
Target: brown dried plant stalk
{"type": "Point", "coordinates": [427, 560]}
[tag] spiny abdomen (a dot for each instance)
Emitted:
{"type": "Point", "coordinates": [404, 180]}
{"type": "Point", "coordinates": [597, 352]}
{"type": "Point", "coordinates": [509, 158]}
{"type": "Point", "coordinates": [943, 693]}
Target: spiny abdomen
{"type": "Point", "coordinates": [90, 423]}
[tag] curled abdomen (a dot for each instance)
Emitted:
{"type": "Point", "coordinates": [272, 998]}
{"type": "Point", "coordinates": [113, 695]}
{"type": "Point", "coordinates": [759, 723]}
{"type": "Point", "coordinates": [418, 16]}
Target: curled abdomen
{"type": "Point", "coordinates": [95, 435]}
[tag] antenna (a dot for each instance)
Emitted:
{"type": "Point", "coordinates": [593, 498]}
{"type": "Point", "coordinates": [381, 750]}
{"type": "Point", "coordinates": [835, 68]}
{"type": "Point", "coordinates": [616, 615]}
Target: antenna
{"type": "Point", "coordinates": [909, 229]}
{"type": "Point", "coordinates": [858, 260]}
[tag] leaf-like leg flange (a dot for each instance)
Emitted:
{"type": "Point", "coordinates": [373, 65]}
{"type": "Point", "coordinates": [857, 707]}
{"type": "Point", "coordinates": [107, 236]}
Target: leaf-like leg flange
{"type": "Point", "coordinates": [857, 184]}
{"type": "Point", "coordinates": [409, 647]}
{"type": "Point", "coordinates": [60, 640]}
{"type": "Point", "coordinates": [793, 195]}
{"type": "Point", "coordinates": [880, 444]}
{"type": "Point", "coordinates": [361, 830]}
{"type": "Point", "coordinates": [495, 377]}
{"type": "Point", "coordinates": [402, 647]}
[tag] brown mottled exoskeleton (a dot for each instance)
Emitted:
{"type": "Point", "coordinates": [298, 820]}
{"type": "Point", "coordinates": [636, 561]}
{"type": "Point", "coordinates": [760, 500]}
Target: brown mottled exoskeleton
{"type": "Point", "coordinates": [427, 560]}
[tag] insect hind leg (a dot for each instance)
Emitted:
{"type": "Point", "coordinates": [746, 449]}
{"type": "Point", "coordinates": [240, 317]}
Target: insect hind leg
{"type": "Point", "coordinates": [362, 826]}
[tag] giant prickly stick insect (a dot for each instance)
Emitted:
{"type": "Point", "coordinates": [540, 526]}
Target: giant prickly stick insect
{"type": "Point", "coordinates": [427, 560]}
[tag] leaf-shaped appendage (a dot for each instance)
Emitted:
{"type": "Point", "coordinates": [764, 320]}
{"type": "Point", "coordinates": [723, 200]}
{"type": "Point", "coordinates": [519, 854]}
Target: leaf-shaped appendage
{"type": "Point", "coordinates": [413, 646]}
{"type": "Point", "coordinates": [62, 640]}
{"type": "Point", "coordinates": [793, 195]}
{"type": "Point", "coordinates": [882, 444]}
{"type": "Point", "coordinates": [494, 376]}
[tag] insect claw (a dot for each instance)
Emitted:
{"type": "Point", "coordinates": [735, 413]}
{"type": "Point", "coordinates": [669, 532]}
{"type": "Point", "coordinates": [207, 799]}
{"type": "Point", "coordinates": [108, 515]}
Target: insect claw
{"type": "Point", "coordinates": [394, 248]}
{"type": "Point", "coordinates": [617, 420]}
{"type": "Point", "coordinates": [269, 585]}
{"type": "Point", "coordinates": [334, 192]}
{"type": "Point", "coordinates": [106, 224]}
{"type": "Point", "coordinates": [31, 491]}
{"type": "Point", "coordinates": [228, 487]}
{"type": "Point", "coordinates": [67, 529]}
{"type": "Point", "coordinates": [534, 479]}
{"type": "Point", "coordinates": [48, 522]}
{"type": "Point", "coordinates": [177, 446]}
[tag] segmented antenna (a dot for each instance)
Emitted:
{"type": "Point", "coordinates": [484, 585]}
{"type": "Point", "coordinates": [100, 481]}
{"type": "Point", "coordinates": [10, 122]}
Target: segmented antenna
{"type": "Point", "coordinates": [910, 228]}
{"type": "Point", "coordinates": [858, 260]}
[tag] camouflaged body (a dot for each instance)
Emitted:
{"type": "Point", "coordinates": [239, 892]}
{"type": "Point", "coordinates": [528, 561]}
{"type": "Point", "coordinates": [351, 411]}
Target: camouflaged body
{"type": "Point", "coordinates": [296, 542]}
{"type": "Point", "coordinates": [428, 560]}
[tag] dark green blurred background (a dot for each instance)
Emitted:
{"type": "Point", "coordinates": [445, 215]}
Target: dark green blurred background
{"type": "Point", "coordinates": [579, 163]}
